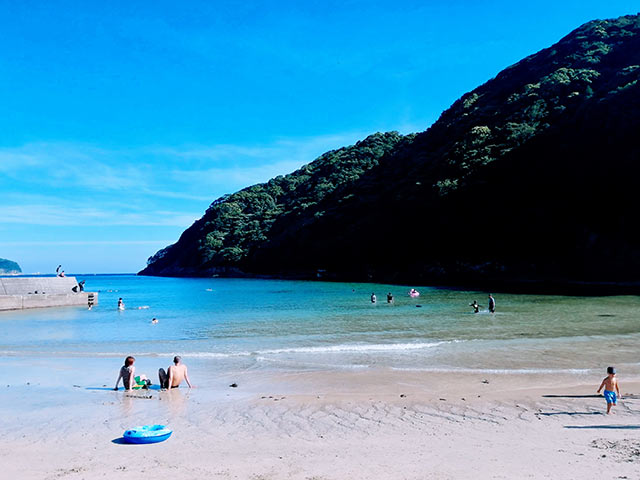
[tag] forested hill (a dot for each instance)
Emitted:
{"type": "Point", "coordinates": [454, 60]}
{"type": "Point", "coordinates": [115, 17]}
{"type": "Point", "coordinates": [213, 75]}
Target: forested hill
{"type": "Point", "coordinates": [9, 267]}
{"type": "Point", "coordinates": [234, 226]}
{"type": "Point", "coordinates": [531, 176]}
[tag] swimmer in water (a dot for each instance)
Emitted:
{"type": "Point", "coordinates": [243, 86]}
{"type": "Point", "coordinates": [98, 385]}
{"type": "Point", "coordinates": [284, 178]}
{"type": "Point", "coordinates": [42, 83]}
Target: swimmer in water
{"type": "Point", "coordinates": [154, 320]}
{"type": "Point", "coordinates": [475, 306]}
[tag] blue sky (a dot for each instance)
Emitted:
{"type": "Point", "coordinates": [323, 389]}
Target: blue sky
{"type": "Point", "coordinates": [122, 121]}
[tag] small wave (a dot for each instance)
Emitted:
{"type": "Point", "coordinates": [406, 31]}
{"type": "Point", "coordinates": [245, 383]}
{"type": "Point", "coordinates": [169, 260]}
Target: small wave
{"type": "Point", "coordinates": [343, 348]}
{"type": "Point", "coordinates": [357, 348]}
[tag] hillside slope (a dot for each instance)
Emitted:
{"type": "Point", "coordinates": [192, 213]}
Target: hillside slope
{"type": "Point", "coordinates": [530, 176]}
{"type": "Point", "coordinates": [9, 267]}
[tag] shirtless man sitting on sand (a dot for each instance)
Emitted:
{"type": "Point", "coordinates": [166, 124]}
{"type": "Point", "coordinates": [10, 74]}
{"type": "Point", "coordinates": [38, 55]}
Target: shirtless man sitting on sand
{"type": "Point", "coordinates": [175, 374]}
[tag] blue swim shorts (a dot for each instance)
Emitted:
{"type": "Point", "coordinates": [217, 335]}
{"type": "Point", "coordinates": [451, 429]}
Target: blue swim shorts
{"type": "Point", "coordinates": [610, 396]}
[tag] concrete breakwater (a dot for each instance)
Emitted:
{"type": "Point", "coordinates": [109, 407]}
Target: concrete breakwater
{"type": "Point", "coordinates": [17, 293]}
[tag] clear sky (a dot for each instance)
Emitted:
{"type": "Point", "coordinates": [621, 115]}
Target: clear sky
{"type": "Point", "coordinates": [122, 121]}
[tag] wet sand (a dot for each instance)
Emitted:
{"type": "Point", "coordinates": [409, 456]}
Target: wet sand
{"type": "Point", "coordinates": [320, 425]}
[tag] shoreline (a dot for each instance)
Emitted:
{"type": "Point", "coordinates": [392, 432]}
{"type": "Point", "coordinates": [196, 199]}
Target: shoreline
{"type": "Point", "coordinates": [508, 285]}
{"type": "Point", "coordinates": [321, 425]}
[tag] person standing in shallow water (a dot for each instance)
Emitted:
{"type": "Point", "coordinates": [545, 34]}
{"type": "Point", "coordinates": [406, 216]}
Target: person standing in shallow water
{"type": "Point", "coordinates": [492, 304]}
{"type": "Point", "coordinates": [389, 298]}
{"type": "Point", "coordinates": [373, 298]}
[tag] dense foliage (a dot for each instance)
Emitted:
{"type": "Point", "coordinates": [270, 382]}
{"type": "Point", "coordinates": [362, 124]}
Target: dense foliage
{"type": "Point", "coordinates": [529, 176]}
{"type": "Point", "coordinates": [234, 225]}
{"type": "Point", "coordinates": [9, 267]}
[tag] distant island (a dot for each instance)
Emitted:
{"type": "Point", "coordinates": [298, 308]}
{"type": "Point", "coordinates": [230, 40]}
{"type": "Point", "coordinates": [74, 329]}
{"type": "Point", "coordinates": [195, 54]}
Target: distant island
{"type": "Point", "coordinates": [8, 267]}
{"type": "Point", "coordinates": [529, 178]}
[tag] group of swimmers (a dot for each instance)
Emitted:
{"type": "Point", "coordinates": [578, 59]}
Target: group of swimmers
{"type": "Point", "coordinates": [121, 306]}
{"type": "Point", "coordinates": [413, 293]}
{"type": "Point", "coordinates": [171, 378]}
{"type": "Point", "coordinates": [492, 305]}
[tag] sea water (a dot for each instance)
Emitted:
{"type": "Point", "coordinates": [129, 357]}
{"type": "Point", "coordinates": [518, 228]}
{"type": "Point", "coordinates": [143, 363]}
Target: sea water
{"type": "Point", "coordinates": [279, 325]}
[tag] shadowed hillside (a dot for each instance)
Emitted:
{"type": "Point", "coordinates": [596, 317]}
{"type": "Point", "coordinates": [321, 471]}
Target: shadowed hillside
{"type": "Point", "coordinates": [531, 176]}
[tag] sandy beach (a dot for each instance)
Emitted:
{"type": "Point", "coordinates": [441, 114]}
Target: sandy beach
{"type": "Point", "coordinates": [318, 425]}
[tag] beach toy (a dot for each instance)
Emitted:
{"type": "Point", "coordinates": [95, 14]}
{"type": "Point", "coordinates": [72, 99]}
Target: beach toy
{"type": "Point", "coordinates": [140, 383]}
{"type": "Point", "coordinates": [147, 434]}
{"type": "Point", "coordinates": [414, 293]}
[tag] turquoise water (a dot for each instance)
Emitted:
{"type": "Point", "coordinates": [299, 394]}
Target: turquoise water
{"type": "Point", "coordinates": [236, 324]}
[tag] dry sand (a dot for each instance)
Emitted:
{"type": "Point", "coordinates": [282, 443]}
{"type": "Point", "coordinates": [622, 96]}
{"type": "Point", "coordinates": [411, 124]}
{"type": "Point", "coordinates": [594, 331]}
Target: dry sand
{"type": "Point", "coordinates": [327, 425]}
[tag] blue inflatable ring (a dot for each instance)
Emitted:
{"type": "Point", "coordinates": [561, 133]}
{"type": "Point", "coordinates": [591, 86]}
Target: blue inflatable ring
{"type": "Point", "coordinates": [147, 434]}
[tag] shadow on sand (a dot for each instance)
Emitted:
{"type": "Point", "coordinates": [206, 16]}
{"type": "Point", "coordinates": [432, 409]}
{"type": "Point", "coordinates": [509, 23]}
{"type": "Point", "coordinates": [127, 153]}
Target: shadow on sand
{"type": "Point", "coordinates": [572, 396]}
{"type": "Point", "coordinates": [151, 387]}
{"type": "Point", "coordinates": [606, 427]}
{"type": "Point", "coordinates": [549, 414]}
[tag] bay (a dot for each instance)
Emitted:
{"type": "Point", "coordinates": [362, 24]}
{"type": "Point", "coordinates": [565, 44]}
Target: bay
{"type": "Point", "coordinates": [280, 325]}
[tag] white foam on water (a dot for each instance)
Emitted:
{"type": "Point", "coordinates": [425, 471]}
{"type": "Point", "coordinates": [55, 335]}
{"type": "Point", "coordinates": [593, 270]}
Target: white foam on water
{"type": "Point", "coordinates": [357, 348]}
{"type": "Point", "coordinates": [342, 348]}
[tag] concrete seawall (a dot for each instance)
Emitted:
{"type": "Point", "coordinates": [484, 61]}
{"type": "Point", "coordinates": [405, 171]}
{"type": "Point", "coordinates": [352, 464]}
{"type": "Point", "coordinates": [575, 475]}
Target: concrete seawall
{"type": "Point", "coordinates": [17, 293]}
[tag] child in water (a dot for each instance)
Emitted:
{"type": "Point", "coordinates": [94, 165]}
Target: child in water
{"type": "Point", "coordinates": [610, 383]}
{"type": "Point", "coordinates": [475, 306]}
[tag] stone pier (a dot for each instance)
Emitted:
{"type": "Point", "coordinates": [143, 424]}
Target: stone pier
{"type": "Point", "coordinates": [17, 293]}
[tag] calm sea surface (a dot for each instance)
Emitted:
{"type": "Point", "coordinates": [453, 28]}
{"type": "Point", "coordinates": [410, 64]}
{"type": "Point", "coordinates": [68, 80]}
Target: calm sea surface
{"type": "Point", "coordinates": [237, 324]}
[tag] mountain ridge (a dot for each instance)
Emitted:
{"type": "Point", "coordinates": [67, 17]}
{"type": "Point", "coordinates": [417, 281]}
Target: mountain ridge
{"type": "Point", "coordinates": [502, 186]}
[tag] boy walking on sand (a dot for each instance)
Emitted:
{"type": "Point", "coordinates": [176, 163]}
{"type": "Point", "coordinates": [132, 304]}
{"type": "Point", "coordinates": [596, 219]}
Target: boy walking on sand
{"type": "Point", "coordinates": [610, 383]}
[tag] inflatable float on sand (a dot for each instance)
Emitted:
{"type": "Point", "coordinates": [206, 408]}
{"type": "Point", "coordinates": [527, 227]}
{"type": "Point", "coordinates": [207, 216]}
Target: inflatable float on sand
{"type": "Point", "coordinates": [147, 434]}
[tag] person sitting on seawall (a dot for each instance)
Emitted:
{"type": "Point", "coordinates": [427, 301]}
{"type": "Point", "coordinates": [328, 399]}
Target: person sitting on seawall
{"type": "Point", "coordinates": [78, 288]}
{"type": "Point", "coordinates": [129, 378]}
{"type": "Point", "coordinates": [175, 374]}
